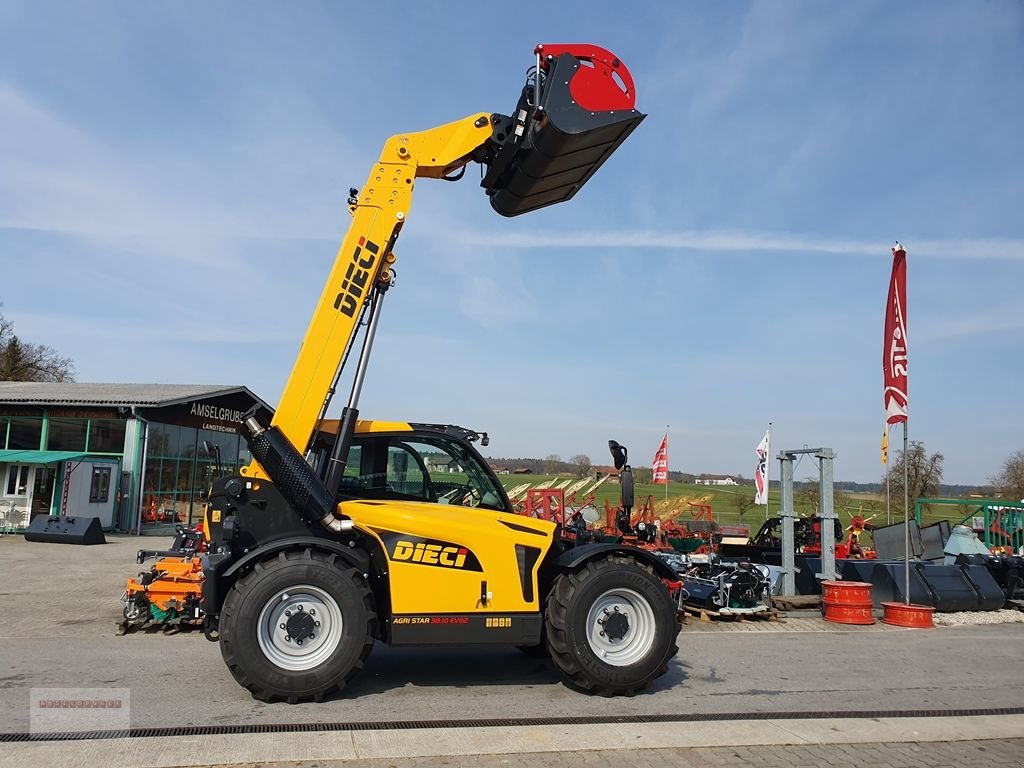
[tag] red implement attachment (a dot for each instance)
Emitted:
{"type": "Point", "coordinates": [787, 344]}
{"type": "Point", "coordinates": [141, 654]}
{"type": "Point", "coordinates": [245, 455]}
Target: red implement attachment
{"type": "Point", "coordinates": [574, 112]}
{"type": "Point", "coordinates": [602, 84]}
{"type": "Point", "coordinates": [545, 504]}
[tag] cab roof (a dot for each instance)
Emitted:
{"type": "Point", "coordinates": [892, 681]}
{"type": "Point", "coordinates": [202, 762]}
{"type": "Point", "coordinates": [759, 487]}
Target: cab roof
{"type": "Point", "coordinates": [370, 426]}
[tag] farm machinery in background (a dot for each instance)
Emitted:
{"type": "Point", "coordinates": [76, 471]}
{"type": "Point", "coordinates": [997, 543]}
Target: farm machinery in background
{"type": "Point", "coordinates": [170, 592]}
{"type": "Point", "coordinates": [707, 583]}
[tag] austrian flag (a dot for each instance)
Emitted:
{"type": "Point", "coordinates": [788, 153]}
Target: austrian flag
{"type": "Point", "coordinates": [659, 468]}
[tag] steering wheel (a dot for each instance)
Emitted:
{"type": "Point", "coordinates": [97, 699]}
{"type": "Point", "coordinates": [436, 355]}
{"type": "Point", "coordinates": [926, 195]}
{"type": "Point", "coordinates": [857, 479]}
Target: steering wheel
{"type": "Point", "coordinates": [472, 497]}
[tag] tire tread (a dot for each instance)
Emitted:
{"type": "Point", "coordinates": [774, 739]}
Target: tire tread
{"type": "Point", "coordinates": [565, 587]}
{"type": "Point", "coordinates": [228, 618]}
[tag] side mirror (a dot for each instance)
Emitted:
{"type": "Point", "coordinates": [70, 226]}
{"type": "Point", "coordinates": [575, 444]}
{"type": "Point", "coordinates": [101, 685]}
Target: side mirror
{"type": "Point", "coordinates": [619, 454]}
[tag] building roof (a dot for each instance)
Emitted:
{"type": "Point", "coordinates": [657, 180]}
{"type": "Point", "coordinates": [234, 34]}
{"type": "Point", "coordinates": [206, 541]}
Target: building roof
{"type": "Point", "coordinates": [142, 395]}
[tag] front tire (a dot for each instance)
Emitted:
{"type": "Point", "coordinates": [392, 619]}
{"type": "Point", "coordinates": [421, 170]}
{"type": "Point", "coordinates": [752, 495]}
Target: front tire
{"type": "Point", "coordinates": [297, 627]}
{"type": "Point", "coordinates": [611, 626]}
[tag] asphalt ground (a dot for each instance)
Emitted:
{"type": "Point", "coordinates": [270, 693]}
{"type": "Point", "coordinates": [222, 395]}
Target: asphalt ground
{"type": "Point", "coordinates": [59, 608]}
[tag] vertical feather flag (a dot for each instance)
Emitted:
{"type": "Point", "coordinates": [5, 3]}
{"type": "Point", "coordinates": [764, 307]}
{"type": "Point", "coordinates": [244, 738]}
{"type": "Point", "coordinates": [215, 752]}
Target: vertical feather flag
{"type": "Point", "coordinates": [659, 468]}
{"type": "Point", "coordinates": [894, 351]}
{"type": "Point", "coordinates": [761, 470]}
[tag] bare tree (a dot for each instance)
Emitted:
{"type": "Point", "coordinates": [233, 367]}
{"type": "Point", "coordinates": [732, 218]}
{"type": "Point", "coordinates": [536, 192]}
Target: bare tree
{"type": "Point", "coordinates": [924, 473]}
{"type": "Point", "coordinates": [23, 361]}
{"type": "Point", "coordinates": [808, 493]}
{"type": "Point", "coordinates": [643, 475]}
{"type": "Point", "coordinates": [552, 463]}
{"type": "Point", "coordinates": [1009, 483]}
{"type": "Point", "coordinates": [742, 502]}
{"type": "Point", "coordinates": [582, 463]}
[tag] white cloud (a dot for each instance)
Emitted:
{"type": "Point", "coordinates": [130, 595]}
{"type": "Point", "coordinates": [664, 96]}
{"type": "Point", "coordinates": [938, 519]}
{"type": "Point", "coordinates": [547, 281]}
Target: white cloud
{"type": "Point", "coordinates": [1004, 319]}
{"type": "Point", "coordinates": [738, 241]}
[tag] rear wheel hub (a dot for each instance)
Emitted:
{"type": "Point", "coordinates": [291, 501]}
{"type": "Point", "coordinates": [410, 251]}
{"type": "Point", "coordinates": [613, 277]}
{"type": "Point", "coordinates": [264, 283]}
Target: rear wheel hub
{"type": "Point", "coordinates": [616, 626]}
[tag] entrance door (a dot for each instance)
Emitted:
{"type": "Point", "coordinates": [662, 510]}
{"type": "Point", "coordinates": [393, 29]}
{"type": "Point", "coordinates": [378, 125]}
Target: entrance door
{"type": "Point", "coordinates": [15, 494]}
{"type": "Point", "coordinates": [42, 491]}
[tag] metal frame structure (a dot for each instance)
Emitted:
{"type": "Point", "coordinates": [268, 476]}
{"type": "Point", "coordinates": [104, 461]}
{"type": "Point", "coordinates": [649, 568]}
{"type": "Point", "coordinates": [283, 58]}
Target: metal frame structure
{"type": "Point", "coordinates": [826, 513]}
{"type": "Point", "coordinates": [1004, 520]}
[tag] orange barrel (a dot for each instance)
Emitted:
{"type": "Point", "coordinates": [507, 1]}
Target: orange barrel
{"type": "Point", "coordinates": [847, 602]}
{"type": "Point", "coordinates": [903, 615]}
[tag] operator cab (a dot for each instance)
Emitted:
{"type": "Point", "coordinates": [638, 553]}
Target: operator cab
{"type": "Point", "coordinates": [436, 464]}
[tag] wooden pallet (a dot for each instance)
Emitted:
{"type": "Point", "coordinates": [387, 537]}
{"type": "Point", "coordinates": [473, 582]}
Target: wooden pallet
{"type": "Point", "coordinates": [796, 602]}
{"type": "Point", "coordinates": [707, 615]}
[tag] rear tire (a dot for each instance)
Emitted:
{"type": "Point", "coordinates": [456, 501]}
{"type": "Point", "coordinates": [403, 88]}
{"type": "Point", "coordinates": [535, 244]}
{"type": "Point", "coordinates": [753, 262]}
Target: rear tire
{"type": "Point", "coordinates": [297, 626]}
{"type": "Point", "coordinates": [611, 626]}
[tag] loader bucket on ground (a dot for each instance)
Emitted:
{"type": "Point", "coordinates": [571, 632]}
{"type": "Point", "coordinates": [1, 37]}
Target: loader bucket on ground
{"type": "Point", "coordinates": [586, 110]}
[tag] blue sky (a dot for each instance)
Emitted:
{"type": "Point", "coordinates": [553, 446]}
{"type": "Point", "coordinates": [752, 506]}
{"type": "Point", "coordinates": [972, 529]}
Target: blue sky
{"type": "Point", "coordinates": [173, 181]}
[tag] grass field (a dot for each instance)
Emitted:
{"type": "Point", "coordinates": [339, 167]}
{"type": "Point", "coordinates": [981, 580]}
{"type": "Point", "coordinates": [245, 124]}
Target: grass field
{"type": "Point", "coordinates": [723, 500]}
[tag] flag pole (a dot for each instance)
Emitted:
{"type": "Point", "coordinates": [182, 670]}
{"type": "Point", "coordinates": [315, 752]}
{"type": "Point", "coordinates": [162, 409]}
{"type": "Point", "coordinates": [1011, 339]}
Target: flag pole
{"type": "Point", "coordinates": [768, 474]}
{"type": "Point", "coordinates": [906, 519]}
{"type": "Point", "coordinates": [667, 426]}
{"type": "Point", "coordinates": [889, 513]}
{"type": "Point", "coordinates": [888, 493]}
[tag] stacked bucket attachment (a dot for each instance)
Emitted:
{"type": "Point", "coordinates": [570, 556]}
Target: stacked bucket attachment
{"type": "Point", "coordinates": [576, 110]}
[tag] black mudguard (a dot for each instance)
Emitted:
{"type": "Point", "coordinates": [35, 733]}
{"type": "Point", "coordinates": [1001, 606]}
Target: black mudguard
{"type": "Point", "coordinates": [577, 556]}
{"type": "Point", "coordinates": [220, 571]}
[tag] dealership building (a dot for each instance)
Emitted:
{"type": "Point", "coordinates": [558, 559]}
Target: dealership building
{"type": "Point", "coordinates": [133, 455]}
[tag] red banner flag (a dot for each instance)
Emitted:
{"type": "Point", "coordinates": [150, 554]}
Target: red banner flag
{"type": "Point", "coordinates": [894, 352]}
{"type": "Point", "coordinates": [659, 468]}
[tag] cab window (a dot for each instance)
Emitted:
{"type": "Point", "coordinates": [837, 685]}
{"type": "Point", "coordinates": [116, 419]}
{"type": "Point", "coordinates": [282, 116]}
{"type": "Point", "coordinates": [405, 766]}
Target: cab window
{"type": "Point", "coordinates": [419, 468]}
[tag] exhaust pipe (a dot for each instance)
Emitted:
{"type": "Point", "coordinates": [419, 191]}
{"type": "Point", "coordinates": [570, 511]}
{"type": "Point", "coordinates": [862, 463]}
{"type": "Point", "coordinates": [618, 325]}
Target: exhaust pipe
{"type": "Point", "coordinates": [293, 477]}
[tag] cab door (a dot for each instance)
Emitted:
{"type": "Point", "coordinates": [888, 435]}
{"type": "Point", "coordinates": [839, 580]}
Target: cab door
{"type": "Point", "coordinates": [461, 568]}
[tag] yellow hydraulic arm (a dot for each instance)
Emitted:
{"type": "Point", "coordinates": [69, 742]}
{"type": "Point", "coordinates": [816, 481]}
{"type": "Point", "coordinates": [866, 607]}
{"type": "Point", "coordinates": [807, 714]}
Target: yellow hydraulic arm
{"type": "Point", "coordinates": [574, 111]}
{"type": "Point", "coordinates": [364, 261]}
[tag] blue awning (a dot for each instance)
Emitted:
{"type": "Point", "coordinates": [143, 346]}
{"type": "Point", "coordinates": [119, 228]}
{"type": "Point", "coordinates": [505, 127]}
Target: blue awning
{"type": "Point", "coordinates": [39, 457]}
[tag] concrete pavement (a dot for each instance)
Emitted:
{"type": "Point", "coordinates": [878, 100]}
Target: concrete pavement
{"type": "Point", "coordinates": [59, 606]}
{"type": "Point", "coordinates": [993, 741]}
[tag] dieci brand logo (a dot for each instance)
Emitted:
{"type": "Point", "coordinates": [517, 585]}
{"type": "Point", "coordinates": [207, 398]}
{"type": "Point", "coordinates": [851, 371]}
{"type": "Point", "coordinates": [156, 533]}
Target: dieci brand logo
{"type": "Point", "coordinates": [441, 554]}
{"type": "Point", "coordinates": [356, 276]}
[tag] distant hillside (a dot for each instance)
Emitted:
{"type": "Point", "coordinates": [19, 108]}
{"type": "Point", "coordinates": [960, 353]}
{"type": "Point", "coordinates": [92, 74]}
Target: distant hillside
{"type": "Point", "coordinates": [643, 474]}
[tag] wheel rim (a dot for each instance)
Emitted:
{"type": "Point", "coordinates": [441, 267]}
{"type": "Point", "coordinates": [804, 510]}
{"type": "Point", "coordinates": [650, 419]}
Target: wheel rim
{"type": "Point", "coordinates": [620, 627]}
{"type": "Point", "coordinates": [300, 628]}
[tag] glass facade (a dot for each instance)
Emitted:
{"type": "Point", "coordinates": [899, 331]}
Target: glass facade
{"type": "Point", "coordinates": [106, 435]}
{"type": "Point", "coordinates": [178, 466]}
{"type": "Point", "coordinates": [167, 454]}
{"type": "Point", "coordinates": [25, 433]}
{"type": "Point", "coordinates": [67, 434]}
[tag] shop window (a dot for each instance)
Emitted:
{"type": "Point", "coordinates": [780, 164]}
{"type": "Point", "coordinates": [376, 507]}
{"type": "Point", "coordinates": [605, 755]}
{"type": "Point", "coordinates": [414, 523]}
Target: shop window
{"type": "Point", "coordinates": [25, 434]}
{"type": "Point", "coordinates": [106, 436]}
{"type": "Point", "coordinates": [66, 435]}
{"type": "Point", "coordinates": [164, 440]}
{"type": "Point", "coordinates": [17, 480]}
{"type": "Point", "coordinates": [167, 476]}
{"type": "Point", "coordinates": [99, 489]}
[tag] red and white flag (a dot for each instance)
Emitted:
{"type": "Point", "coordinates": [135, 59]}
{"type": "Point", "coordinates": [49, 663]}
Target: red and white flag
{"type": "Point", "coordinates": [894, 351]}
{"type": "Point", "coordinates": [761, 470]}
{"type": "Point", "coordinates": [659, 468]}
